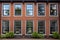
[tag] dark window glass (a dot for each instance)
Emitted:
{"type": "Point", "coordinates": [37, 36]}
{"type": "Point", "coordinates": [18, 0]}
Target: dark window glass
{"type": "Point", "coordinates": [17, 9]}
{"type": "Point", "coordinates": [5, 26]}
{"type": "Point", "coordinates": [53, 9]}
{"type": "Point", "coordinates": [41, 9]}
{"type": "Point", "coordinates": [17, 27]}
{"type": "Point", "coordinates": [53, 26]}
{"type": "Point", "coordinates": [41, 26]}
{"type": "Point", "coordinates": [29, 10]}
{"type": "Point", "coordinates": [29, 27]}
{"type": "Point", "coordinates": [6, 8]}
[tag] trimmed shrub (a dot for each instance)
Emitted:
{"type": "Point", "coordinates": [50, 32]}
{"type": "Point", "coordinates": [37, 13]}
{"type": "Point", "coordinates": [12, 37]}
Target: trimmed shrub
{"type": "Point", "coordinates": [35, 35]}
{"type": "Point", "coordinates": [41, 36]}
{"type": "Point", "coordinates": [7, 35]}
{"type": "Point", "coordinates": [55, 35]}
{"type": "Point", "coordinates": [11, 34]}
{"type": "Point", "coordinates": [3, 36]}
{"type": "Point", "coordinates": [59, 36]}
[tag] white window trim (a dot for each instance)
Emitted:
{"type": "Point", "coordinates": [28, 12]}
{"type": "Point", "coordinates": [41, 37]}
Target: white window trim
{"type": "Point", "coordinates": [57, 10]}
{"type": "Point", "coordinates": [1, 27]}
{"type": "Point", "coordinates": [25, 27]}
{"type": "Point", "coordinates": [45, 26]}
{"type": "Point", "coordinates": [45, 10]}
{"type": "Point", "coordinates": [49, 26]}
{"type": "Point", "coordinates": [9, 10]}
{"type": "Point", "coordinates": [26, 8]}
{"type": "Point", "coordinates": [21, 28]}
{"type": "Point", "coordinates": [14, 10]}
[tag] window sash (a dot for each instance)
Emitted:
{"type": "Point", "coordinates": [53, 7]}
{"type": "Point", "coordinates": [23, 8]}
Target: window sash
{"type": "Point", "coordinates": [41, 9]}
{"type": "Point", "coordinates": [5, 8]}
{"type": "Point", "coordinates": [5, 26]}
{"type": "Point", "coordinates": [53, 10]}
{"type": "Point", "coordinates": [17, 12]}
{"type": "Point", "coordinates": [29, 29]}
{"type": "Point", "coordinates": [29, 10]}
{"type": "Point", "coordinates": [41, 28]}
{"type": "Point", "coordinates": [54, 27]}
{"type": "Point", "coordinates": [17, 28]}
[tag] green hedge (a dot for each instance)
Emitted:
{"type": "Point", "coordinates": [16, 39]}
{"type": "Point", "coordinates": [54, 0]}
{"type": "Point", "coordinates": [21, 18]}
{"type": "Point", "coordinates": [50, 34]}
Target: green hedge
{"type": "Point", "coordinates": [56, 35]}
{"type": "Point", "coordinates": [36, 35]}
{"type": "Point", "coordinates": [7, 35]}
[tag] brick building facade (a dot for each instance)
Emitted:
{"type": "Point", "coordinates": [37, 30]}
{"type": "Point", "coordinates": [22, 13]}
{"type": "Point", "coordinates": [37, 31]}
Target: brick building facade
{"type": "Point", "coordinates": [28, 16]}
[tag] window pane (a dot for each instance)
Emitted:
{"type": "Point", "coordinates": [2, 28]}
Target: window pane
{"type": "Point", "coordinates": [29, 26]}
{"type": "Point", "coordinates": [17, 27]}
{"type": "Point", "coordinates": [17, 9]}
{"type": "Point", "coordinates": [41, 26]}
{"type": "Point", "coordinates": [5, 26]}
{"type": "Point", "coordinates": [29, 10]}
{"type": "Point", "coordinates": [6, 8]}
{"type": "Point", "coordinates": [53, 9]}
{"type": "Point", "coordinates": [53, 26]}
{"type": "Point", "coordinates": [41, 9]}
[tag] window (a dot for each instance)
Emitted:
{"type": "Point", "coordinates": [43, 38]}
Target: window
{"type": "Point", "coordinates": [53, 26]}
{"type": "Point", "coordinates": [5, 26]}
{"type": "Point", "coordinates": [29, 26]}
{"type": "Point", "coordinates": [41, 9]}
{"type": "Point", "coordinates": [17, 27]}
{"type": "Point", "coordinates": [41, 26]}
{"type": "Point", "coordinates": [6, 9]}
{"type": "Point", "coordinates": [17, 9]}
{"type": "Point", "coordinates": [29, 10]}
{"type": "Point", "coordinates": [53, 9]}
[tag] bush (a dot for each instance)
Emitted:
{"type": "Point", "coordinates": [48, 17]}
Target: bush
{"type": "Point", "coordinates": [41, 36]}
{"type": "Point", "coordinates": [59, 36]}
{"type": "Point", "coordinates": [7, 35]}
{"type": "Point", "coordinates": [55, 35]}
{"type": "Point", "coordinates": [11, 34]}
{"type": "Point", "coordinates": [3, 36]}
{"type": "Point", "coordinates": [35, 35]}
{"type": "Point", "coordinates": [0, 36]}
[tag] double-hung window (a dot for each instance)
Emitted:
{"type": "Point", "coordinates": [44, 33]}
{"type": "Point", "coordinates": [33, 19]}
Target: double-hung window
{"type": "Point", "coordinates": [41, 26]}
{"type": "Point", "coordinates": [29, 9]}
{"type": "Point", "coordinates": [5, 26]}
{"type": "Point", "coordinates": [53, 26]}
{"type": "Point", "coordinates": [53, 10]}
{"type": "Point", "coordinates": [41, 9]}
{"type": "Point", "coordinates": [17, 8]}
{"type": "Point", "coordinates": [29, 27]}
{"type": "Point", "coordinates": [17, 27]}
{"type": "Point", "coordinates": [6, 9]}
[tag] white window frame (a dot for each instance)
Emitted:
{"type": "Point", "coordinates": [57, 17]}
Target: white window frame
{"type": "Point", "coordinates": [45, 26]}
{"type": "Point", "coordinates": [9, 10]}
{"type": "Point", "coordinates": [1, 26]}
{"type": "Point", "coordinates": [45, 10]}
{"type": "Point", "coordinates": [57, 23]}
{"type": "Point", "coordinates": [57, 10]}
{"type": "Point", "coordinates": [25, 27]}
{"type": "Point", "coordinates": [26, 9]}
{"type": "Point", "coordinates": [21, 27]}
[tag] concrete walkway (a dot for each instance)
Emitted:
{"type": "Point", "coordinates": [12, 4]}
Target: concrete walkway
{"type": "Point", "coordinates": [29, 39]}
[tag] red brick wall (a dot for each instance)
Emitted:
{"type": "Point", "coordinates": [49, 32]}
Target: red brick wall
{"type": "Point", "coordinates": [23, 18]}
{"type": "Point", "coordinates": [0, 17]}
{"type": "Point", "coordinates": [59, 15]}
